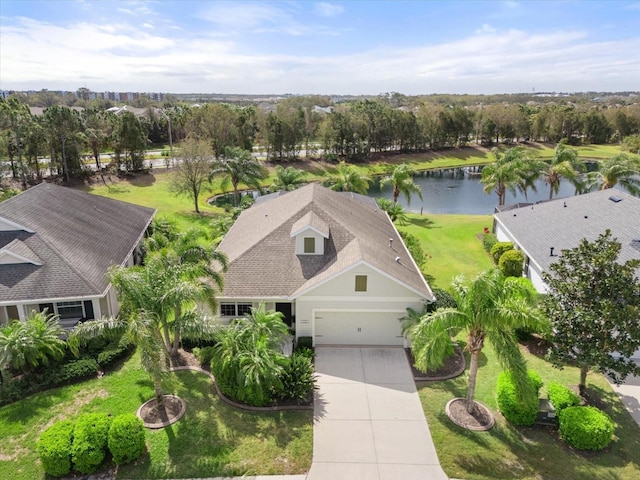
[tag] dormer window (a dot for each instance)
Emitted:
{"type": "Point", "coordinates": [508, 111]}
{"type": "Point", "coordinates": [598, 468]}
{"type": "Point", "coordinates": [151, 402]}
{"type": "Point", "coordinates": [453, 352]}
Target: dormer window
{"type": "Point", "coordinates": [310, 232]}
{"type": "Point", "coordinates": [309, 245]}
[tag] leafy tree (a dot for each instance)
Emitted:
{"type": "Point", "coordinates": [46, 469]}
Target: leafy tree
{"type": "Point", "coordinates": [593, 303]}
{"type": "Point", "coordinates": [347, 178]}
{"type": "Point", "coordinates": [238, 166]}
{"type": "Point", "coordinates": [488, 308]}
{"type": "Point", "coordinates": [288, 178]}
{"type": "Point", "coordinates": [24, 345]}
{"type": "Point", "coordinates": [511, 170]}
{"type": "Point", "coordinates": [401, 179]}
{"type": "Point", "coordinates": [193, 170]}
{"type": "Point", "coordinates": [631, 144]}
{"type": "Point", "coordinates": [620, 169]}
{"type": "Point", "coordinates": [129, 138]}
{"type": "Point", "coordinates": [97, 131]}
{"type": "Point", "coordinates": [563, 164]}
{"type": "Point", "coordinates": [15, 118]}
{"type": "Point", "coordinates": [64, 126]}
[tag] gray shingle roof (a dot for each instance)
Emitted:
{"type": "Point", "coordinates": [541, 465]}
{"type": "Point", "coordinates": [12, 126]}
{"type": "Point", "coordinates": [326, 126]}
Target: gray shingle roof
{"type": "Point", "coordinates": [563, 223]}
{"type": "Point", "coordinates": [261, 251]}
{"type": "Point", "coordinates": [77, 237]}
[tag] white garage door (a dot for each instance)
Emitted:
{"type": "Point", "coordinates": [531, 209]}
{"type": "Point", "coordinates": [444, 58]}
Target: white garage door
{"type": "Point", "coordinates": [358, 328]}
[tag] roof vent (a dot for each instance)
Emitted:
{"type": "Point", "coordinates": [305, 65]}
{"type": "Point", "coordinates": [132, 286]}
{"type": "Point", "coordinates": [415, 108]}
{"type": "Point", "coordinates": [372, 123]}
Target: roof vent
{"type": "Point", "coordinates": [398, 259]}
{"type": "Point", "coordinates": [551, 252]}
{"type": "Point", "coordinates": [564, 204]}
{"type": "Point", "coordinates": [635, 243]}
{"type": "Point", "coordinates": [390, 242]}
{"type": "Point", "coordinates": [615, 199]}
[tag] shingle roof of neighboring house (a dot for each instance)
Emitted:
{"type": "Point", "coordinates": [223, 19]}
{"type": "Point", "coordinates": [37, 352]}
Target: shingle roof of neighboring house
{"type": "Point", "coordinates": [75, 236]}
{"type": "Point", "coordinates": [562, 223]}
{"type": "Point", "coordinates": [261, 250]}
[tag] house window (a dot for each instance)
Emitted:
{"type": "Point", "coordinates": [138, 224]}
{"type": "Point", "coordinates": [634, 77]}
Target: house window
{"type": "Point", "coordinates": [309, 245]}
{"type": "Point", "coordinates": [228, 309]}
{"type": "Point", "coordinates": [244, 308]}
{"type": "Point", "coordinates": [70, 309]}
{"type": "Point", "coordinates": [361, 283]}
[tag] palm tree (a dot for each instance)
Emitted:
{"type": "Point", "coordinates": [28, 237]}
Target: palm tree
{"type": "Point", "coordinates": [34, 342]}
{"type": "Point", "coordinates": [238, 166]}
{"type": "Point", "coordinates": [288, 179]}
{"type": "Point", "coordinates": [511, 170]}
{"type": "Point", "coordinates": [563, 164]}
{"type": "Point", "coordinates": [488, 308]}
{"type": "Point", "coordinates": [395, 211]}
{"type": "Point", "coordinates": [401, 179]}
{"type": "Point", "coordinates": [620, 169]}
{"type": "Point", "coordinates": [347, 178]}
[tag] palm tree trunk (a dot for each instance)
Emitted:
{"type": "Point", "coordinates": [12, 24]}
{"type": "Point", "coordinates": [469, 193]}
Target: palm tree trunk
{"type": "Point", "coordinates": [396, 194]}
{"type": "Point", "coordinates": [176, 332]}
{"type": "Point", "coordinates": [159, 392]}
{"type": "Point", "coordinates": [473, 373]}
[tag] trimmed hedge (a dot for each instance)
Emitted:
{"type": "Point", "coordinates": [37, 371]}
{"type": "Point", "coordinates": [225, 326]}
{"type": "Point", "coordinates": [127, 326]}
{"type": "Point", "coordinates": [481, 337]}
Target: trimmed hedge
{"type": "Point", "coordinates": [488, 241]}
{"type": "Point", "coordinates": [498, 249]}
{"type": "Point", "coordinates": [90, 441]}
{"type": "Point", "coordinates": [443, 300]}
{"type": "Point", "coordinates": [585, 428]}
{"type": "Point", "coordinates": [514, 411]}
{"type": "Point", "coordinates": [510, 263]}
{"type": "Point", "coordinates": [126, 438]}
{"type": "Point", "coordinates": [561, 396]}
{"type": "Point", "coordinates": [54, 448]}
{"type": "Point", "coordinates": [76, 370]}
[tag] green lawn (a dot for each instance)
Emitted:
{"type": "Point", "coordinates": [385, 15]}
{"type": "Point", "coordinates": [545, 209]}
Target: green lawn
{"type": "Point", "coordinates": [212, 439]}
{"type": "Point", "coordinates": [452, 245]}
{"type": "Point", "coordinates": [508, 452]}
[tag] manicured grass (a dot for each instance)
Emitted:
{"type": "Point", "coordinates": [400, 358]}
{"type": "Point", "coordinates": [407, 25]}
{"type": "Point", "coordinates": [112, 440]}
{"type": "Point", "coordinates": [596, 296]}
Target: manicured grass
{"type": "Point", "coordinates": [452, 245]}
{"type": "Point", "coordinates": [212, 439]}
{"type": "Point", "coordinates": [508, 452]}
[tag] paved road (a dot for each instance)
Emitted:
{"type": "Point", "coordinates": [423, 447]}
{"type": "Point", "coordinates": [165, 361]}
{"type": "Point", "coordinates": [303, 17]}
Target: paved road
{"type": "Point", "coordinates": [369, 423]}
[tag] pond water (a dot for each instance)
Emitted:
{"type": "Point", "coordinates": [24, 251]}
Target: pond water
{"type": "Point", "coordinates": [452, 190]}
{"type": "Point", "coordinates": [458, 190]}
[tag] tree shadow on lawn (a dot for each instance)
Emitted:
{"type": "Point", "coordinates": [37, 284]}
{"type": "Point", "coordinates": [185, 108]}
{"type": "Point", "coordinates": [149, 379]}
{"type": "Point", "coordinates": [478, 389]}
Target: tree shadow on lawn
{"type": "Point", "coordinates": [140, 179]}
{"type": "Point", "coordinates": [423, 222]}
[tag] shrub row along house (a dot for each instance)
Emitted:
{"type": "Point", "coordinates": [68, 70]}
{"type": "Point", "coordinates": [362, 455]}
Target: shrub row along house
{"type": "Point", "coordinates": [56, 245]}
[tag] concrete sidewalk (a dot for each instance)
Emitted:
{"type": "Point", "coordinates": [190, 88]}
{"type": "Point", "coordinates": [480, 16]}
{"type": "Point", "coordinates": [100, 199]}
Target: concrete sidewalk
{"type": "Point", "coordinates": [369, 423]}
{"type": "Point", "coordinates": [629, 393]}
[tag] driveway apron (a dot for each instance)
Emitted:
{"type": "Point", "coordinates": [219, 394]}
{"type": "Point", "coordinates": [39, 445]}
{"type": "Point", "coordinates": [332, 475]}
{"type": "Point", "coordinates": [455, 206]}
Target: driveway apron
{"type": "Point", "coordinates": [368, 420]}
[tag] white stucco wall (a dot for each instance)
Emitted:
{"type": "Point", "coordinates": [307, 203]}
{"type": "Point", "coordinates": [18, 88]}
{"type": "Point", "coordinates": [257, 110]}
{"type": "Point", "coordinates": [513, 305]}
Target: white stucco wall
{"type": "Point", "coordinates": [383, 294]}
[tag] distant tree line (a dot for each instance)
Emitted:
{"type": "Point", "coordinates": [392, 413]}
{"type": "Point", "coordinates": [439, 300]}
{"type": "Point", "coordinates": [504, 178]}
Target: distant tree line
{"type": "Point", "coordinates": [295, 127]}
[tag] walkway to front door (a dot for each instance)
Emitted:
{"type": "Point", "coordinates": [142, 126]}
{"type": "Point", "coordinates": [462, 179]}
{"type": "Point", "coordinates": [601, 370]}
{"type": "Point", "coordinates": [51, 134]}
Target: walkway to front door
{"type": "Point", "coordinates": [368, 420]}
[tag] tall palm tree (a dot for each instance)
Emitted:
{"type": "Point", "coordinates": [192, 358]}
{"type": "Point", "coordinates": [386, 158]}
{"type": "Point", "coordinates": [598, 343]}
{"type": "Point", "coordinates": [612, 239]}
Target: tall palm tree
{"type": "Point", "coordinates": [24, 345]}
{"type": "Point", "coordinates": [288, 178]}
{"type": "Point", "coordinates": [401, 179]}
{"type": "Point", "coordinates": [488, 308]}
{"type": "Point", "coordinates": [347, 178]}
{"type": "Point", "coordinates": [621, 169]}
{"type": "Point", "coordinates": [395, 211]}
{"type": "Point", "coordinates": [512, 170]}
{"type": "Point", "coordinates": [238, 166]}
{"type": "Point", "coordinates": [563, 164]}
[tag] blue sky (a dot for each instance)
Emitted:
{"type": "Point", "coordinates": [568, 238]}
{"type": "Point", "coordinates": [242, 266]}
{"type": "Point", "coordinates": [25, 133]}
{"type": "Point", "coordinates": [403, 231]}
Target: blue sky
{"type": "Point", "coordinates": [326, 47]}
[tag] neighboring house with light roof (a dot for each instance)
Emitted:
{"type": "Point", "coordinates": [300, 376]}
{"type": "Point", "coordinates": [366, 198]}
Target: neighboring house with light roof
{"type": "Point", "coordinates": [56, 245]}
{"type": "Point", "coordinates": [331, 262]}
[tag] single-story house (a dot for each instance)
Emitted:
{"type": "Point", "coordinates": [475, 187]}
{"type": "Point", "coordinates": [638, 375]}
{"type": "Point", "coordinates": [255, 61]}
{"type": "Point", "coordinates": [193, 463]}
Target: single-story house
{"type": "Point", "coordinates": [56, 245]}
{"type": "Point", "coordinates": [542, 230]}
{"type": "Point", "coordinates": [331, 262]}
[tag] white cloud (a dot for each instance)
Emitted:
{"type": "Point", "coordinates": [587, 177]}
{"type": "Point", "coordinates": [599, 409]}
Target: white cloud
{"type": "Point", "coordinates": [325, 9]}
{"type": "Point", "coordinates": [121, 56]}
{"type": "Point", "coordinates": [486, 28]}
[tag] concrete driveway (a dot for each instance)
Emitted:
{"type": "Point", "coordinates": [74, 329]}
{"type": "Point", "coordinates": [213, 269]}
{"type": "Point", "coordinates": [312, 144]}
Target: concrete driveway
{"type": "Point", "coordinates": [368, 420]}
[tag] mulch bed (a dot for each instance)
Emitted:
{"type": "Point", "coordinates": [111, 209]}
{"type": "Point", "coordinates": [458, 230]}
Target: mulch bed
{"type": "Point", "coordinates": [480, 419]}
{"type": "Point", "coordinates": [452, 367]}
{"type": "Point", "coordinates": [535, 345]}
{"type": "Point", "coordinates": [151, 413]}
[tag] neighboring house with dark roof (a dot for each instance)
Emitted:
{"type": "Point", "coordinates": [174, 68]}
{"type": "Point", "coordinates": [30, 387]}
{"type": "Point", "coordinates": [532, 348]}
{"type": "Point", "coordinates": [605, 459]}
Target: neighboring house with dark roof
{"type": "Point", "coordinates": [331, 262]}
{"type": "Point", "coordinates": [542, 230]}
{"type": "Point", "coordinates": [56, 245]}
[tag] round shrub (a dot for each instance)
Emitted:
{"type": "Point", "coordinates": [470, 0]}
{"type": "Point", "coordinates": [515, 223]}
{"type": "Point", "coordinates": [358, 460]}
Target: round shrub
{"type": "Point", "coordinates": [561, 396]}
{"type": "Point", "coordinates": [90, 441]}
{"type": "Point", "coordinates": [126, 438]}
{"type": "Point", "coordinates": [54, 448]}
{"type": "Point", "coordinates": [510, 263]}
{"type": "Point", "coordinates": [516, 411]}
{"type": "Point", "coordinates": [488, 241]}
{"type": "Point", "coordinates": [585, 428]}
{"type": "Point", "coordinates": [498, 249]}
